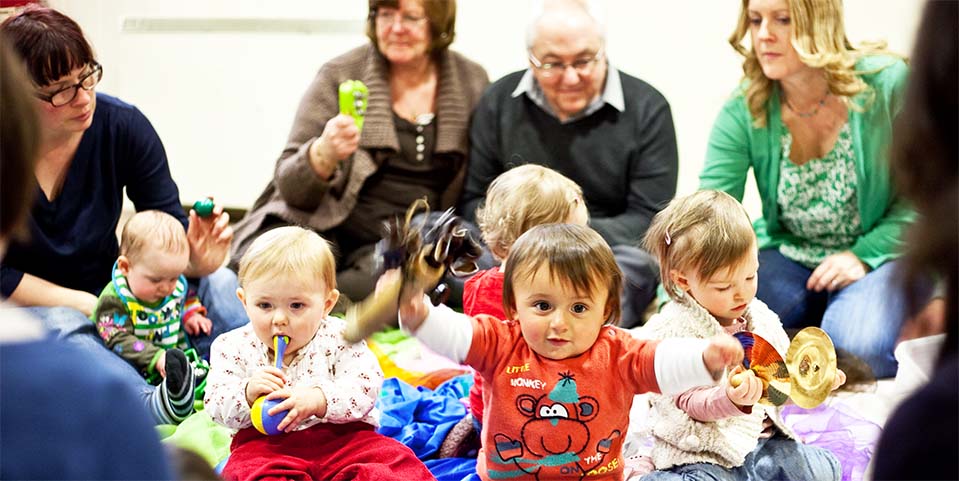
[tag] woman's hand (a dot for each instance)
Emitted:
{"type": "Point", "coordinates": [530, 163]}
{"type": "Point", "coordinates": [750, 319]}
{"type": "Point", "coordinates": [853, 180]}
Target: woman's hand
{"type": "Point", "coordinates": [84, 302]}
{"type": "Point", "coordinates": [209, 241]}
{"type": "Point", "coordinates": [744, 388]}
{"type": "Point", "coordinates": [339, 140]}
{"type": "Point", "coordinates": [264, 381]}
{"type": "Point", "coordinates": [836, 271]}
{"type": "Point", "coordinates": [302, 402]}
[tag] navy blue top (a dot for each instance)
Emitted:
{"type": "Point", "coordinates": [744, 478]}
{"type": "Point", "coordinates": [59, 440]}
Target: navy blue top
{"type": "Point", "coordinates": [64, 419]}
{"type": "Point", "coordinates": [73, 240]}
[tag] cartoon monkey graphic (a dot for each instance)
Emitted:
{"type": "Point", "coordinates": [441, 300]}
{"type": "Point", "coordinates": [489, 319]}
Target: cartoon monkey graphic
{"type": "Point", "coordinates": [555, 439]}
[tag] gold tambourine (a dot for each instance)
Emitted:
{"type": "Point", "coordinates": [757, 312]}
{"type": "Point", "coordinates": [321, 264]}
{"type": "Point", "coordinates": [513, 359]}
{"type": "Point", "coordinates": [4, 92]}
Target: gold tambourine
{"type": "Point", "coordinates": [424, 253]}
{"type": "Point", "coordinates": [811, 361]}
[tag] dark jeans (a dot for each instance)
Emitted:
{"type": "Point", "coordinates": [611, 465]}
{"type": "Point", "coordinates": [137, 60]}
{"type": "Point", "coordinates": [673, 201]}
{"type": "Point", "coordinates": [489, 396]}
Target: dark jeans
{"type": "Point", "coordinates": [776, 458]}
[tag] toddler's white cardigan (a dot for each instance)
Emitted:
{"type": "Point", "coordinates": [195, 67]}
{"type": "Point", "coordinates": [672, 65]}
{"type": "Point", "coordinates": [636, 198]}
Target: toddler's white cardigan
{"type": "Point", "coordinates": [679, 439]}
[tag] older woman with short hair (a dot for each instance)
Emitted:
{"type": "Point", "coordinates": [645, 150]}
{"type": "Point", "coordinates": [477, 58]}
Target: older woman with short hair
{"type": "Point", "coordinates": [343, 182]}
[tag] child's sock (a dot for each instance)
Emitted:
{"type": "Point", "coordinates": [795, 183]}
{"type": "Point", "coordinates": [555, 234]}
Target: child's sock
{"type": "Point", "coordinates": [173, 399]}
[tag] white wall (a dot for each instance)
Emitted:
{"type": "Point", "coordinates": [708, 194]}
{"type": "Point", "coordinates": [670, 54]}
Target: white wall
{"type": "Point", "coordinates": [223, 102]}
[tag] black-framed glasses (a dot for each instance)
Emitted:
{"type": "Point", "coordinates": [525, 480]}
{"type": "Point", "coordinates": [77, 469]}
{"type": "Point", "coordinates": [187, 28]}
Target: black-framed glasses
{"type": "Point", "coordinates": [67, 94]}
{"type": "Point", "coordinates": [386, 17]}
{"type": "Point", "coordinates": [582, 66]}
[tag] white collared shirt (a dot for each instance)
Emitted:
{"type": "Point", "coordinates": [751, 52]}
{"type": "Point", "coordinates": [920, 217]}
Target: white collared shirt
{"type": "Point", "coordinates": [612, 94]}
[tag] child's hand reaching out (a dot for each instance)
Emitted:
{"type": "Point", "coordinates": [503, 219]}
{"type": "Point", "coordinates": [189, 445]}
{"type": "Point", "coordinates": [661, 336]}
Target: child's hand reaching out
{"type": "Point", "coordinates": [840, 379]}
{"type": "Point", "coordinates": [412, 309]}
{"type": "Point", "coordinates": [302, 402]}
{"type": "Point", "coordinates": [744, 388]}
{"type": "Point", "coordinates": [723, 350]}
{"type": "Point", "coordinates": [160, 365]}
{"type": "Point", "coordinates": [265, 381]}
{"type": "Point", "coordinates": [198, 323]}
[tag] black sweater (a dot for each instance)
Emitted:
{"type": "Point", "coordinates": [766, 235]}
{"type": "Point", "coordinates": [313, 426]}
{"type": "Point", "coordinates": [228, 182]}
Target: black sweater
{"type": "Point", "coordinates": [625, 162]}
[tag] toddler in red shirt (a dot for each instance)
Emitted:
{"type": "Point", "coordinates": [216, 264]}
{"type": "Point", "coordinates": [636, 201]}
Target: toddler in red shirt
{"type": "Point", "coordinates": [517, 200]}
{"type": "Point", "coordinates": [560, 378]}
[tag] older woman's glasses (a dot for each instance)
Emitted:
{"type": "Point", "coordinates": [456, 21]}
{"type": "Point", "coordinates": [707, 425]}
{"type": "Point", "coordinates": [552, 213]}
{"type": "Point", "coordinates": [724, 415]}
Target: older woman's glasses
{"type": "Point", "coordinates": [67, 94]}
{"type": "Point", "coordinates": [386, 17]}
{"type": "Point", "coordinates": [582, 66]}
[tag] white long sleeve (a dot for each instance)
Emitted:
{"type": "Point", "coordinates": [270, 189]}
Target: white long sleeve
{"type": "Point", "coordinates": [679, 365]}
{"type": "Point", "coordinates": [445, 331]}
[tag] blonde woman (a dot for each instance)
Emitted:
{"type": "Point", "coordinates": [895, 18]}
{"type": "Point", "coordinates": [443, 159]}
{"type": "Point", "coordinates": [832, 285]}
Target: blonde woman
{"type": "Point", "coordinates": [813, 119]}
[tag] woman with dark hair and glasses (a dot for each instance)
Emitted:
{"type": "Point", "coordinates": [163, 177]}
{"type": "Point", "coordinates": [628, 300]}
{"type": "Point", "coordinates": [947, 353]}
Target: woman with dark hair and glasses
{"type": "Point", "coordinates": [344, 182]}
{"type": "Point", "coordinates": [92, 147]}
{"type": "Point", "coordinates": [51, 416]}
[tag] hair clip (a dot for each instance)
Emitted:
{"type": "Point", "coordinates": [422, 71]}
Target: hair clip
{"type": "Point", "coordinates": [669, 240]}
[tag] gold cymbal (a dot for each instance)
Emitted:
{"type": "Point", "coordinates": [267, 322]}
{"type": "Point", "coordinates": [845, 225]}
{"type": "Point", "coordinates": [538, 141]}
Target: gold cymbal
{"type": "Point", "coordinates": [811, 361]}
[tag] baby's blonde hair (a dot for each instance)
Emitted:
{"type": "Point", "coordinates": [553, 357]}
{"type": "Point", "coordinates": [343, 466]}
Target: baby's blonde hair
{"type": "Point", "coordinates": [285, 251]}
{"type": "Point", "coordinates": [521, 198]}
{"type": "Point", "coordinates": [152, 229]}
{"type": "Point", "coordinates": [707, 231]}
{"type": "Point", "coordinates": [819, 38]}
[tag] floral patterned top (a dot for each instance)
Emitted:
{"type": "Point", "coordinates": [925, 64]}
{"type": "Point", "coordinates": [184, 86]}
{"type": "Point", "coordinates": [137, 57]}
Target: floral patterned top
{"type": "Point", "coordinates": [818, 202]}
{"type": "Point", "coordinates": [349, 375]}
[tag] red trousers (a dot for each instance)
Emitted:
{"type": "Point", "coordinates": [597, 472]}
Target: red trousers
{"type": "Point", "coordinates": [323, 452]}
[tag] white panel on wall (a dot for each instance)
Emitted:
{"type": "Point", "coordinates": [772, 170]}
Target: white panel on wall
{"type": "Point", "coordinates": [223, 96]}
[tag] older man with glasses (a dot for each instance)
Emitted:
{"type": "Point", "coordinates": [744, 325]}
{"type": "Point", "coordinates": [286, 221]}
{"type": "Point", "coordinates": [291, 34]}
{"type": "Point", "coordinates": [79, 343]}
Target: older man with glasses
{"type": "Point", "coordinates": [572, 111]}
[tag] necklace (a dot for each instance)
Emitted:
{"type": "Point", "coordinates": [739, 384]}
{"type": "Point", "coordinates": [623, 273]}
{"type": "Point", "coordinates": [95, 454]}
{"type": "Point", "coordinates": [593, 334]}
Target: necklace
{"type": "Point", "coordinates": [811, 113]}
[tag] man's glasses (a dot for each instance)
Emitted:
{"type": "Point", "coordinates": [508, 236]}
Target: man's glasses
{"type": "Point", "coordinates": [387, 18]}
{"type": "Point", "coordinates": [582, 66]}
{"type": "Point", "coordinates": [67, 94]}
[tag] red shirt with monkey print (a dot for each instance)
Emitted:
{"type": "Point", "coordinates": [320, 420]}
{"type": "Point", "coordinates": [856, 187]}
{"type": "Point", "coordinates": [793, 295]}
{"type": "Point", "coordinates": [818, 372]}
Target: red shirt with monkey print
{"type": "Point", "coordinates": [557, 419]}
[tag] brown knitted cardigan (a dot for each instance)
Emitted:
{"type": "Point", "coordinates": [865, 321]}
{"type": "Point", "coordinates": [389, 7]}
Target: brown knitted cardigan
{"type": "Point", "coordinates": [299, 196]}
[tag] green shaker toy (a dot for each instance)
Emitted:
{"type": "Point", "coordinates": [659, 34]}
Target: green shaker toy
{"type": "Point", "coordinates": [353, 99]}
{"type": "Point", "coordinates": [203, 207]}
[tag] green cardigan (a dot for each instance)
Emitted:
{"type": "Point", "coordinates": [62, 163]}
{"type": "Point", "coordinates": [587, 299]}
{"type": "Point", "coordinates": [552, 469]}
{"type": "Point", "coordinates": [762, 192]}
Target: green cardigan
{"type": "Point", "coordinates": [735, 145]}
